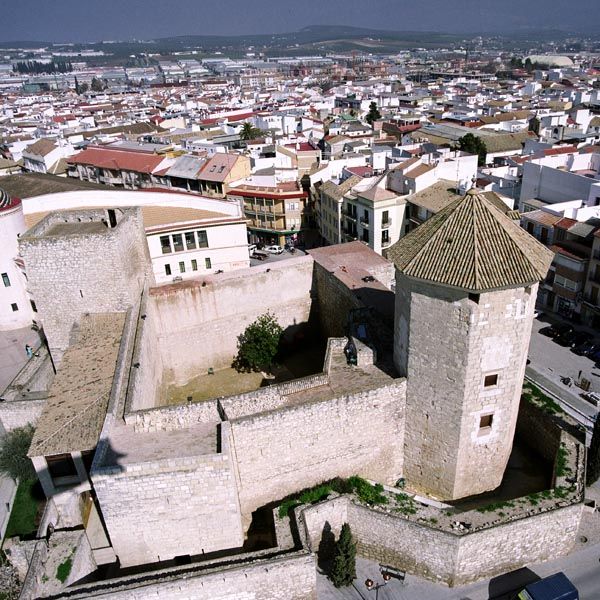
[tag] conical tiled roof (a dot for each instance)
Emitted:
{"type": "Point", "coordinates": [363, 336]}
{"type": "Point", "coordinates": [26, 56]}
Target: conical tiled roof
{"type": "Point", "coordinates": [473, 246]}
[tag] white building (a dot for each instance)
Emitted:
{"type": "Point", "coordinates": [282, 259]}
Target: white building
{"type": "Point", "coordinates": [16, 309]}
{"type": "Point", "coordinates": [188, 235]}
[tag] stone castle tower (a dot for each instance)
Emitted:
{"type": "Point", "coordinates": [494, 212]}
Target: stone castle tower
{"type": "Point", "coordinates": [84, 261]}
{"type": "Point", "coordinates": [466, 283]}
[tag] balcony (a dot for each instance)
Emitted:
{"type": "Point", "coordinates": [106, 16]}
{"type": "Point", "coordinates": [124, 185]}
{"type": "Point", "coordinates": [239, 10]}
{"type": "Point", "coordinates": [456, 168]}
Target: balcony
{"type": "Point", "coordinates": [386, 243]}
{"type": "Point", "coordinates": [595, 277]}
{"type": "Point", "coordinates": [386, 224]}
{"type": "Point", "coordinates": [349, 215]}
{"type": "Point", "coordinates": [364, 222]}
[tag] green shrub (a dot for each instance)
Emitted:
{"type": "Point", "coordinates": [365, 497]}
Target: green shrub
{"type": "Point", "coordinates": [367, 493]}
{"type": "Point", "coordinates": [562, 456]}
{"type": "Point", "coordinates": [64, 569]}
{"type": "Point", "coordinates": [405, 504]}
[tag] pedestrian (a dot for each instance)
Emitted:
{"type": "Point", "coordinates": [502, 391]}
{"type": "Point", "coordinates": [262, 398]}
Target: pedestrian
{"type": "Point", "coordinates": [28, 350]}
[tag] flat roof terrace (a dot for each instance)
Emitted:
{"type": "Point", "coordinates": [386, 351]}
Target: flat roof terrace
{"type": "Point", "coordinates": [128, 447]}
{"type": "Point", "coordinates": [343, 380]}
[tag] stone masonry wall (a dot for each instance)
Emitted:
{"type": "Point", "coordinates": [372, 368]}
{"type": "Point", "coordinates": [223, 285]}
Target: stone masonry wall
{"type": "Point", "coordinates": [290, 577]}
{"type": "Point", "coordinates": [198, 321]}
{"type": "Point", "coordinates": [17, 413]}
{"type": "Point", "coordinates": [537, 429]}
{"type": "Point", "coordinates": [447, 557]}
{"type": "Point", "coordinates": [284, 451]}
{"type": "Point", "coordinates": [446, 344]}
{"type": "Point", "coordinates": [512, 545]}
{"type": "Point", "coordinates": [70, 275]}
{"type": "Point", "coordinates": [335, 301]}
{"type": "Point", "coordinates": [145, 503]}
{"type": "Point", "coordinates": [145, 385]}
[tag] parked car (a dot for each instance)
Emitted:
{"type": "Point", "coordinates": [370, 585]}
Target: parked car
{"type": "Point", "coordinates": [553, 587]}
{"type": "Point", "coordinates": [581, 337]}
{"type": "Point", "coordinates": [556, 329]}
{"type": "Point", "coordinates": [274, 249]}
{"type": "Point", "coordinates": [569, 338]}
{"type": "Point", "coordinates": [586, 348]}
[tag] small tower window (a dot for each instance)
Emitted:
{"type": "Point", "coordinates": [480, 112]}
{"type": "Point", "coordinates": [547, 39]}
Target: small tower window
{"type": "Point", "coordinates": [485, 421]}
{"type": "Point", "coordinates": [490, 380]}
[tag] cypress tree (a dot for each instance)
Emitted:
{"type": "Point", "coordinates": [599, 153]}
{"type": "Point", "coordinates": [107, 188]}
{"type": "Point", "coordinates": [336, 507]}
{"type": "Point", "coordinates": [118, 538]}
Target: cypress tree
{"type": "Point", "coordinates": [343, 572]}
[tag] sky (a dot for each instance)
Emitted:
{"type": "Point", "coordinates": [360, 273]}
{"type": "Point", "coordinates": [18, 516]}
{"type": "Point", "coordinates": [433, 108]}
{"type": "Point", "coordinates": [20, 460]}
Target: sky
{"type": "Point", "coordinates": [96, 20]}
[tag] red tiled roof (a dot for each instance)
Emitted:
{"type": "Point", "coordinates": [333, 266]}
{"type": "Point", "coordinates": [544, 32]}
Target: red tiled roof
{"type": "Point", "coordinates": [360, 171]}
{"type": "Point", "coordinates": [300, 147]}
{"type": "Point", "coordinates": [561, 150]}
{"type": "Point", "coordinates": [117, 159]}
{"type": "Point", "coordinates": [565, 223]}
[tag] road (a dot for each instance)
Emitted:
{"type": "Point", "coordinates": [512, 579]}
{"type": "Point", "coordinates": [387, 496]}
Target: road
{"type": "Point", "coordinates": [582, 567]}
{"type": "Point", "coordinates": [549, 362]}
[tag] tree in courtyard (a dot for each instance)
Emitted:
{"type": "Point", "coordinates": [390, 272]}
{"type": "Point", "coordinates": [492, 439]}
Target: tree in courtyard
{"type": "Point", "coordinates": [343, 571]}
{"type": "Point", "coordinates": [258, 345]}
{"type": "Point", "coordinates": [249, 132]}
{"type": "Point", "coordinates": [473, 145]}
{"type": "Point", "coordinates": [593, 456]}
{"type": "Point", "coordinates": [14, 461]}
{"type": "Point", "coordinates": [373, 114]}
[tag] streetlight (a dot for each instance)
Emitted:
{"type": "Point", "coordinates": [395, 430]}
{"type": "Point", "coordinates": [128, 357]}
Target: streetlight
{"type": "Point", "coordinates": [372, 586]}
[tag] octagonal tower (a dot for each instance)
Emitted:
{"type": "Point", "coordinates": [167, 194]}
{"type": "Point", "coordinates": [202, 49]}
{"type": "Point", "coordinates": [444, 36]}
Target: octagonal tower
{"type": "Point", "coordinates": [466, 284]}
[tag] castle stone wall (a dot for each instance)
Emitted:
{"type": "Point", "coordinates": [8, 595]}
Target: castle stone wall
{"type": "Point", "coordinates": [18, 413]}
{"type": "Point", "coordinates": [290, 577]}
{"type": "Point", "coordinates": [282, 452]}
{"type": "Point", "coordinates": [335, 301]}
{"type": "Point", "coordinates": [83, 271]}
{"type": "Point", "coordinates": [447, 557]}
{"type": "Point", "coordinates": [158, 510]}
{"type": "Point", "coordinates": [538, 430]}
{"type": "Point", "coordinates": [446, 344]}
{"type": "Point", "coordinates": [198, 321]}
{"type": "Point", "coordinates": [145, 385]}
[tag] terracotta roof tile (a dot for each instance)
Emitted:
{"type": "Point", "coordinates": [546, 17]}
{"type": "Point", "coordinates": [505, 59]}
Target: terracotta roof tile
{"type": "Point", "coordinates": [473, 246]}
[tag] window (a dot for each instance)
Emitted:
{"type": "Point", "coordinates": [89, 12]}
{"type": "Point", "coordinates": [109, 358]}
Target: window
{"type": "Point", "coordinates": [202, 239]}
{"type": "Point", "coordinates": [190, 240]}
{"type": "Point", "coordinates": [33, 306]}
{"type": "Point", "coordinates": [165, 244]}
{"type": "Point", "coordinates": [490, 380]}
{"type": "Point", "coordinates": [566, 283]}
{"type": "Point", "coordinates": [485, 421]}
{"type": "Point", "coordinates": [182, 267]}
{"type": "Point", "coordinates": [365, 235]}
{"type": "Point", "coordinates": [385, 217]}
{"type": "Point", "coordinates": [194, 264]}
{"type": "Point", "coordinates": [14, 307]}
{"type": "Point", "coordinates": [178, 242]}
{"type": "Point", "coordinates": [474, 298]}
{"type": "Point", "coordinates": [167, 269]}
{"type": "Point", "coordinates": [207, 263]}
{"type": "Point", "coordinates": [385, 236]}
{"type": "Point", "coordinates": [5, 280]}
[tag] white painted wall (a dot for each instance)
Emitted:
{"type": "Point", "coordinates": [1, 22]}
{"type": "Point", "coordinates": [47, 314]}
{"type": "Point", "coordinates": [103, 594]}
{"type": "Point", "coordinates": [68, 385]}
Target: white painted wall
{"type": "Point", "coordinates": [12, 224]}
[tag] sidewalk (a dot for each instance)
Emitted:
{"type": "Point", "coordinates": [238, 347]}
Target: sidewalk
{"type": "Point", "coordinates": [12, 352]}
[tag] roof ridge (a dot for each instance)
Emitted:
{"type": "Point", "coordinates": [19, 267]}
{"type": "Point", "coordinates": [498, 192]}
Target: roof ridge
{"type": "Point", "coordinates": [475, 231]}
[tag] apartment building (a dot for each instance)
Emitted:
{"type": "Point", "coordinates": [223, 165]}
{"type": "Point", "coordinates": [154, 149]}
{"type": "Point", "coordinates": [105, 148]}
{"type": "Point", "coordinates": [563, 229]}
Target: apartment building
{"type": "Point", "coordinates": [276, 213]}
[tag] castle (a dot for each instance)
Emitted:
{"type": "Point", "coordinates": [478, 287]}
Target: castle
{"type": "Point", "coordinates": [441, 334]}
